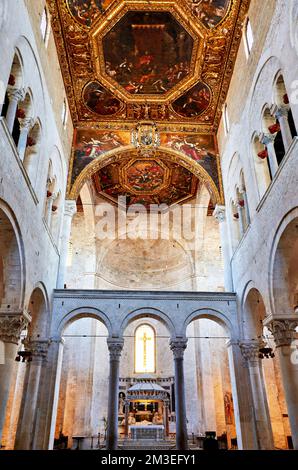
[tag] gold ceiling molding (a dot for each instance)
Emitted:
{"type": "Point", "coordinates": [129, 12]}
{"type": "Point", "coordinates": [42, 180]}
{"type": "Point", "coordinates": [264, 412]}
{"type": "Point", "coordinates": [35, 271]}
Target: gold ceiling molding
{"type": "Point", "coordinates": [214, 53]}
{"type": "Point", "coordinates": [119, 154]}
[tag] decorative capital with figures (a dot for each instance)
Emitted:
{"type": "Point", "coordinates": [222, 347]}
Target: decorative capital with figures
{"type": "Point", "coordinates": [178, 347]}
{"type": "Point", "coordinates": [11, 326]}
{"type": "Point", "coordinates": [26, 124]}
{"type": "Point", "coordinates": [219, 213]}
{"type": "Point", "coordinates": [115, 346]}
{"type": "Point", "coordinates": [284, 331]}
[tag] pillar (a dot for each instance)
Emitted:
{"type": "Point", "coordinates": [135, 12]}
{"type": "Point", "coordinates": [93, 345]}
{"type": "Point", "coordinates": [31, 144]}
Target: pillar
{"type": "Point", "coordinates": [220, 215]}
{"type": "Point", "coordinates": [46, 414]}
{"type": "Point", "coordinates": [246, 207]}
{"type": "Point", "coordinates": [115, 346]}
{"type": "Point", "coordinates": [250, 353]}
{"type": "Point", "coordinates": [26, 429]}
{"type": "Point", "coordinates": [126, 410]}
{"type": "Point", "coordinates": [50, 201]}
{"type": "Point", "coordinates": [268, 141]}
{"type": "Point", "coordinates": [178, 347]}
{"type": "Point", "coordinates": [284, 334]}
{"type": "Point", "coordinates": [242, 399]}
{"type": "Point", "coordinates": [25, 127]}
{"type": "Point", "coordinates": [70, 209]}
{"type": "Point", "coordinates": [282, 117]}
{"type": "Point", "coordinates": [14, 96]}
{"type": "Point", "coordinates": [166, 412]}
{"type": "Point", "coordinates": [11, 326]}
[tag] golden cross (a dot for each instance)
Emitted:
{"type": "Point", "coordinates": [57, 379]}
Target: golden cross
{"type": "Point", "coordinates": [145, 339]}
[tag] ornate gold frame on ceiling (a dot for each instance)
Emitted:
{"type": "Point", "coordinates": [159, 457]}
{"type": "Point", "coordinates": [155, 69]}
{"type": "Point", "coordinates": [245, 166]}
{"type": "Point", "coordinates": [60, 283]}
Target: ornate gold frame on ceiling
{"type": "Point", "coordinates": [230, 28]}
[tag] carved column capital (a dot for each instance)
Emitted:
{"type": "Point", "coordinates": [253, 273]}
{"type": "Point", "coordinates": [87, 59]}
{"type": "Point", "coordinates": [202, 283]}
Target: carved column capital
{"type": "Point", "coordinates": [282, 111]}
{"type": "Point", "coordinates": [267, 139]}
{"type": "Point", "coordinates": [26, 124]}
{"type": "Point", "coordinates": [219, 213]}
{"type": "Point", "coordinates": [15, 94]}
{"type": "Point", "coordinates": [178, 347]}
{"type": "Point", "coordinates": [11, 326]}
{"type": "Point", "coordinates": [283, 331]}
{"type": "Point", "coordinates": [115, 346]}
{"type": "Point", "coordinates": [70, 208]}
{"type": "Point", "coordinates": [250, 351]}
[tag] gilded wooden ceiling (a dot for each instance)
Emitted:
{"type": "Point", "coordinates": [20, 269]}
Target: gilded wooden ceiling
{"type": "Point", "coordinates": [124, 61]}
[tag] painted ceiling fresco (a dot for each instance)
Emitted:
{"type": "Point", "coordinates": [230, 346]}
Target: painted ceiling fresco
{"type": "Point", "coordinates": [124, 61]}
{"type": "Point", "coordinates": [146, 182]}
{"type": "Point", "coordinates": [147, 52]}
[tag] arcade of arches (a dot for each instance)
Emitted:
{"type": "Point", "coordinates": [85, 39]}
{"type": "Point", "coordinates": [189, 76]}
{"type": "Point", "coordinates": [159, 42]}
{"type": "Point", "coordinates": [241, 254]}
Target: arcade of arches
{"type": "Point", "coordinates": [148, 224]}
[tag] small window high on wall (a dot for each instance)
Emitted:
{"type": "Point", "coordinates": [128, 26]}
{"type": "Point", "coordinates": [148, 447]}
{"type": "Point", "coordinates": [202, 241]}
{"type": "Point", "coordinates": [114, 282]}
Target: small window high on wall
{"type": "Point", "coordinates": [144, 349]}
{"type": "Point", "coordinates": [226, 119]}
{"type": "Point", "coordinates": [248, 37]}
{"type": "Point", "coordinates": [44, 24]}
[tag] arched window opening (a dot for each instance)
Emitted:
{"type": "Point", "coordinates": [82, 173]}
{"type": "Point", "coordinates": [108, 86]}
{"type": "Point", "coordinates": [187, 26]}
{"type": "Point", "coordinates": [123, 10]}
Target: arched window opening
{"type": "Point", "coordinates": [64, 113]}
{"type": "Point", "coordinates": [284, 113]}
{"type": "Point", "coordinates": [32, 151]}
{"type": "Point", "coordinates": [262, 165]}
{"type": "Point", "coordinates": [248, 37]}
{"type": "Point", "coordinates": [44, 24]}
{"type": "Point", "coordinates": [226, 119]}
{"type": "Point", "coordinates": [145, 349]}
{"type": "Point", "coordinates": [12, 97]}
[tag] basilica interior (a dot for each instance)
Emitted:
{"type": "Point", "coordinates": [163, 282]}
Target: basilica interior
{"type": "Point", "coordinates": [148, 224]}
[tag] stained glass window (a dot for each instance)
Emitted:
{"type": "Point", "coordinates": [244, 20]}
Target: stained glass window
{"type": "Point", "coordinates": [144, 349]}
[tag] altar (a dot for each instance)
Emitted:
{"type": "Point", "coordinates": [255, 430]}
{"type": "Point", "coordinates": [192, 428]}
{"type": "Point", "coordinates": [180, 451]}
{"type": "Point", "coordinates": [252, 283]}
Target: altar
{"type": "Point", "coordinates": [152, 432]}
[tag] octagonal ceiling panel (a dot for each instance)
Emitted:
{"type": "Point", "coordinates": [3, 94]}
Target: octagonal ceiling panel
{"type": "Point", "coordinates": [146, 182]}
{"type": "Point", "coordinates": [150, 56]}
{"type": "Point", "coordinates": [147, 52]}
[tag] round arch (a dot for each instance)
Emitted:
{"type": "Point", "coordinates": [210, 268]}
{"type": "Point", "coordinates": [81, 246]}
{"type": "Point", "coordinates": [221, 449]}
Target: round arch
{"type": "Point", "coordinates": [38, 308]}
{"type": "Point", "coordinates": [211, 314]}
{"type": "Point", "coordinates": [16, 296]}
{"type": "Point", "coordinates": [83, 312]}
{"type": "Point", "coordinates": [280, 299]}
{"type": "Point", "coordinates": [147, 312]}
{"type": "Point", "coordinates": [117, 154]}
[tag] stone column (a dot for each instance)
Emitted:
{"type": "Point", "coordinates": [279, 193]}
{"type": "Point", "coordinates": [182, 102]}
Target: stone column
{"type": "Point", "coordinates": [178, 347]}
{"type": "Point", "coordinates": [242, 399]}
{"type": "Point", "coordinates": [240, 211]}
{"type": "Point", "coordinates": [14, 96]}
{"type": "Point", "coordinates": [25, 435]}
{"type": "Point", "coordinates": [11, 326]}
{"type": "Point", "coordinates": [25, 127]}
{"type": "Point", "coordinates": [50, 201]}
{"type": "Point", "coordinates": [115, 346]}
{"type": "Point", "coordinates": [220, 215]}
{"type": "Point", "coordinates": [250, 352]}
{"type": "Point", "coordinates": [246, 207]}
{"type": "Point", "coordinates": [268, 141]}
{"type": "Point", "coordinates": [126, 409]}
{"type": "Point", "coordinates": [282, 117]}
{"type": "Point", "coordinates": [49, 394]}
{"type": "Point", "coordinates": [70, 209]}
{"type": "Point", "coordinates": [166, 412]}
{"type": "Point", "coordinates": [284, 334]}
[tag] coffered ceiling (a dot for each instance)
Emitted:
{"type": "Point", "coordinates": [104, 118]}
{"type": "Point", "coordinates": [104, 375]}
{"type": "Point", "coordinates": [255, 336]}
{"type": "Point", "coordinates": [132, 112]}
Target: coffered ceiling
{"type": "Point", "coordinates": [126, 60]}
